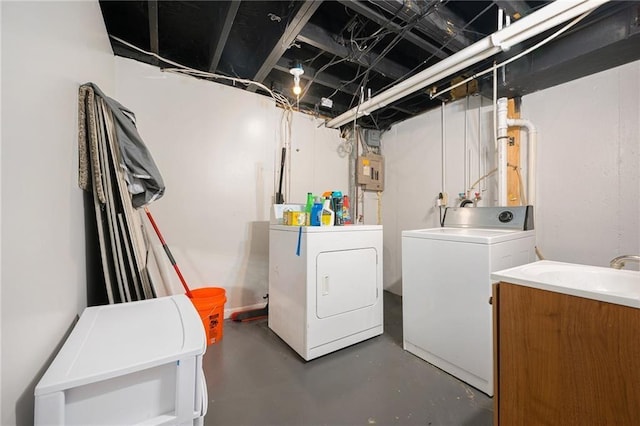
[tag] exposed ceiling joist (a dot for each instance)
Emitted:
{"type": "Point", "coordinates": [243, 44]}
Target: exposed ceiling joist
{"type": "Point", "coordinates": [296, 25]}
{"type": "Point", "coordinates": [319, 38]}
{"type": "Point", "coordinates": [521, 31]}
{"type": "Point", "coordinates": [439, 23]}
{"type": "Point", "coordinates": [154, 44]}
{"type": "Point", "coordinates": [256, 38]}
{"type": "Point", "coordinates": [220, 38]}
{"type": "Point", "coordinates": [412, 38]}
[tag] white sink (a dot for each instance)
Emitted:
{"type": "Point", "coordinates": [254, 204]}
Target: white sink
{"type": "Point", "coordinates": [593, 282]}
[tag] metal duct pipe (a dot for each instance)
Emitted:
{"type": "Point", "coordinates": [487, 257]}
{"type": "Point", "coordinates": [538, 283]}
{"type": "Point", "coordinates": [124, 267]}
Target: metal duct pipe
{"type": "Point", "coordinates": [519, 31]}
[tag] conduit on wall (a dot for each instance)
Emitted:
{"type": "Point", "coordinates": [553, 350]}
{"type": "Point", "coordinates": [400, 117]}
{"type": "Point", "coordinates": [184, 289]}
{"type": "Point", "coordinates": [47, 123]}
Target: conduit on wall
{"type": "Point", "coordinates": [544, 19]}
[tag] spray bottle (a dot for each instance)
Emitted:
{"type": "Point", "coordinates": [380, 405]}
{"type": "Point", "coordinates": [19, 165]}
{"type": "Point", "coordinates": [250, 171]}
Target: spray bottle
{"type": "Point", "coordinates": [337, 205]}
{"type": "Point", "coordinates": [328, 215]}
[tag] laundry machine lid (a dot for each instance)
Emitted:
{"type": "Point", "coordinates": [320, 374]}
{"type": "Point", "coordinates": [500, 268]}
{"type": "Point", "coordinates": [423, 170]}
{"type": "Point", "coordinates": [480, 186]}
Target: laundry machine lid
{"type": "Point", "coordinates": [468, 235]}
{"type": "Point", "coordinates": [113, 340]}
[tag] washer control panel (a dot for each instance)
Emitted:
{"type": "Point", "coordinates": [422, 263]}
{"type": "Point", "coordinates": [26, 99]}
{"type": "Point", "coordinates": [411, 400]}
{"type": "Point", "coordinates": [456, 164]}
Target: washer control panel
{"type": "Point", "coordinates": [516, 217]}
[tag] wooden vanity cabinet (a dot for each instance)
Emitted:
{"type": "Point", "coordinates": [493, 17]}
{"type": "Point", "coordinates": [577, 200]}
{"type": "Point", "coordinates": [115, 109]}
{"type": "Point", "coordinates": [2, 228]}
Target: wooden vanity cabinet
{"type": "Point", "coordinates": [564, 360]}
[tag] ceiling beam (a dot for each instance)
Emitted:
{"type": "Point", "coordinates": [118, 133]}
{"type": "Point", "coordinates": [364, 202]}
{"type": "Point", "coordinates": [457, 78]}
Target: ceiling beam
{"type": "Point", "coordinates": [439, 23]}
{"type": "Point", "coordinates": [319, 38]}
{"type": "Point", "coordinates": [360, 8]}
{"type": "Point", "coordinates": [219, 40]}
{"type": "Point", "coordinates": [296, 25]}
{"type": "Point", "coordinates": [154, 45]}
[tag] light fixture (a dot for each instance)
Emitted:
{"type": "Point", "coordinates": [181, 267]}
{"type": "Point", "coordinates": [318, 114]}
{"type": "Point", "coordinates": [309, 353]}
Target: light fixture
{"type": "Point", "coordinates": [297, 71]}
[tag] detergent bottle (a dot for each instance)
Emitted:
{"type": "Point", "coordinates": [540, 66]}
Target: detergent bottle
{"type": "Point", "coordinates": [337, 206]}
{"type": "Point", "coordinates": [346, 215]}
{"type": "Point", "coordinates": [328, 216]}
{"type": "Point", "coordinates": [316, 212]}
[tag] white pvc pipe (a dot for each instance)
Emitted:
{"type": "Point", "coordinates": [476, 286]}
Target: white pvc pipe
{"type": "Point", "coordinates": [532, 141]}
{"type": "Point", "coordinates": [545, 18]}
{"type": "Point", "coordinates": [502, 139]}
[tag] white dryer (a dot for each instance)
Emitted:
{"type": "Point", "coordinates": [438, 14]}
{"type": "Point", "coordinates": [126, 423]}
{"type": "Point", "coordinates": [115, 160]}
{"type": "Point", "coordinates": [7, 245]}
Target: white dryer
{"type": "Point", "coordinates": [325, 286]}
{"type": "Point", "coordinates": [446, 286]}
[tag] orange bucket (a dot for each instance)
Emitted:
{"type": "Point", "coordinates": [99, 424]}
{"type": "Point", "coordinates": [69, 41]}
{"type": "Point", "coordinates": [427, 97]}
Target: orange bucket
{"type": "Point", "coordinates": [209, 302]}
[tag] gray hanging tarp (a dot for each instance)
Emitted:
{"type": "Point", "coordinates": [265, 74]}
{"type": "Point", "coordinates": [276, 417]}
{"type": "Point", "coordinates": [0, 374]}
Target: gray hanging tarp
{"type": "Point", "coordinates": [144, 181]}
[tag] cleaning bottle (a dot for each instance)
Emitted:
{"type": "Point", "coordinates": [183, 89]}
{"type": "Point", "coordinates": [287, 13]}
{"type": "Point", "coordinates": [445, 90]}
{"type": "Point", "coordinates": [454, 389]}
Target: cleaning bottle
{"type": "Point", "coordinates": [328, 216]}
{"type": "Point", "coordinates": [308, 207]}
{"type": "Point", "coordinates": [316, 212]}
{"type": "Point", "coordinates": [346, 215]}
{"type": "Point", "coordinates": [337, 206]}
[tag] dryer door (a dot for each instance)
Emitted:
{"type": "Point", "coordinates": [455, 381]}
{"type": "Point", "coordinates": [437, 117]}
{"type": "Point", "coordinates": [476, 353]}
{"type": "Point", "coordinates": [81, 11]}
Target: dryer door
{"type": "Point", "coordinates": [346, 280]}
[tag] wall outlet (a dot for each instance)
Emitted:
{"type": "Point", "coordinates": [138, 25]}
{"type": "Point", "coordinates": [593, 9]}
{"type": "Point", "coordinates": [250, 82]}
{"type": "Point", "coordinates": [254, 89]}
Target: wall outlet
{"type": "Point", "coordinates": [442, 200]}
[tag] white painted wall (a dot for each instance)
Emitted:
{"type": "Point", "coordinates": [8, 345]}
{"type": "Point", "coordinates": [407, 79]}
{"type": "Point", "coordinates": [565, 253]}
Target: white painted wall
{"type": "Point", "coordinates": [48, 50]}
{"type": "Point", "coordinates": [588, 198]}
{"type": "Point", "coordinates": [217, 148]}
{"type": "Point", "coordinates": [1, 218]}
{"type": "Point", "coordinates": [414, 175]}
{"type": "Point", "coordinates": [589, 166]}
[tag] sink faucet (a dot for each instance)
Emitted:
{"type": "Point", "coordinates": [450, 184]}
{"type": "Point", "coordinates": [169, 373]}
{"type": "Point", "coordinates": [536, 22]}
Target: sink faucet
{"type": "Point", "coordinates": [618, 262]}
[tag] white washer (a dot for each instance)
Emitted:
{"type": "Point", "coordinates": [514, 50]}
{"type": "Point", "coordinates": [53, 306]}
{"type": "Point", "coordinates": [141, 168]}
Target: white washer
{"type": "Point", "coordinates": [325, 286]}
{"type": "Point", "coordinates": [446, 286]}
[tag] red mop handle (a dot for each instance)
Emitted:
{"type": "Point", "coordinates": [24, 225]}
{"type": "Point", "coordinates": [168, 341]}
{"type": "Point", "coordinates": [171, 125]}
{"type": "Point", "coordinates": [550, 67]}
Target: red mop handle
{"type": "Point", "coordinates": [166, 250]}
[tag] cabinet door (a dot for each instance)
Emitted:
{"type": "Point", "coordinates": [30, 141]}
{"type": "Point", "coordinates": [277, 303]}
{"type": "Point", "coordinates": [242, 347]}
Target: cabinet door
{"type": "Point", "coordinates": [346, 280]}
{"type": "Point", "coordinates": [566, 360]}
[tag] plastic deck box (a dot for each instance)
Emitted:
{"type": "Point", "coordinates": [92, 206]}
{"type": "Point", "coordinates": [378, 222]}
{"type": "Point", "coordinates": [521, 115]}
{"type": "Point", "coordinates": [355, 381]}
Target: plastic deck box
{"type": "Point", "coordinates": [129, 363]}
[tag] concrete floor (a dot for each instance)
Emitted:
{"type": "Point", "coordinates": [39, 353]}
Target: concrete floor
{"type": "Point", "coordinates": [254, 378]}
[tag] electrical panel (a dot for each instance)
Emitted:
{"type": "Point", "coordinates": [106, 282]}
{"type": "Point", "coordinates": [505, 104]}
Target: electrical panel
{"type": "Point", "coordinates": [372, 137]}
{"type": "Point", "coordinates": [371, 172]}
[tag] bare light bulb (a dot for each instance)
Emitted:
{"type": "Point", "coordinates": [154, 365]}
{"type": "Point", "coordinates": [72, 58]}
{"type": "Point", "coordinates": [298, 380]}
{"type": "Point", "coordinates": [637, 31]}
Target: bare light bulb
{"type": "Point", "coordinates": [297, 72]}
